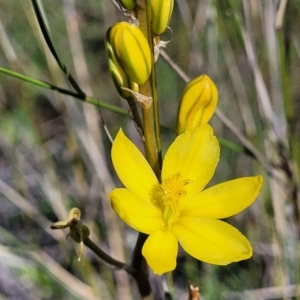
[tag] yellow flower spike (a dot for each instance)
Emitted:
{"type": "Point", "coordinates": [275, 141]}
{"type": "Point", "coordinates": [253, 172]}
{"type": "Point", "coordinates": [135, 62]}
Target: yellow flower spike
{"type": "Point", "coordinates": [161, 15]}
{"type": "Point", "coordinates": [198, 103]}
{"type": "Point", "coordinates": [132, 51]}
{"type": "Point", "coordinates": [128, 4]}
{"type": "Point", "coordinates": [78, 230]}
{"type": "Point", "coordinates": [120, 78]}
{"type": "Point", "coordinates": [179, 209]}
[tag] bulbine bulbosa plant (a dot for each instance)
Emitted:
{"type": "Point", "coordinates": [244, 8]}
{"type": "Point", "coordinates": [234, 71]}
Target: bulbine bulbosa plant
{"type": "Point", "coordinates": [160, 186]}
{"type": "Point", "coordinates": [166, 199]}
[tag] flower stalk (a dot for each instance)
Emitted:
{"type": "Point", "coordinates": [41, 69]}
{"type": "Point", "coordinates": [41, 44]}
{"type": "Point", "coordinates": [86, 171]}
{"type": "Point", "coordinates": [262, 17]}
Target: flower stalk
{"type": "Point", "coordinates": [151, 142]}
{"type": "Point", "coordinates": [150, 115]}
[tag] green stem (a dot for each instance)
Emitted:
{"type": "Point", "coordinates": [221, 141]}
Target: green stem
{"type": "Point", "coordinates": [50, 45]}
{"type": "Point", "coordinates": [104, 256]}
{"type": "Point", "coordinates": [153, 83]}
{"type": "Point", "coordinates": [151, 149]}
{"type": "Point", "coordinates": [138, 267]}
{"type": "Point", "coordinates": [152, 144]}
{"type": "Point", "coordinates": [150, 115]}
{"type": "Point", "coordinates": [49, 86]}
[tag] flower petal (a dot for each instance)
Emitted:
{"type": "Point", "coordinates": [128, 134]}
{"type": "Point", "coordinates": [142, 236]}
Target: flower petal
{"type": "Point", "coordinates": [194, 154]}
{"type": "Point", "coordinates": [132, 168]}
{"type": "Point", "coordinates": [160, 251]}
{"type": "Point", "coordinates": [211, 241]}
{"type": "Point", "coordinates": [136, 213]}
{"type": "Point", "coordinates": [225, 199]}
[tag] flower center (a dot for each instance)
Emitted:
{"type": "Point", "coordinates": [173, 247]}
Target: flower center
{"type": "Point", "coordinates": [170, 192]}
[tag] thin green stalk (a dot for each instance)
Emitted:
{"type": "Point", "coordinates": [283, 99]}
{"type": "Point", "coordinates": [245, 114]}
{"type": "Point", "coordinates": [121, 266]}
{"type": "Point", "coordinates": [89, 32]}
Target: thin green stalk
{"type": "Point", "coordinates": [150, 115]}
{"type": "Point", "coordinates": [103, 255]}
{"type": "Point", "coordinates": [49, 43]}
{"type": "Point", "coordinates": [154, 88]}
{"type": "Point", "coordinates": [82, 97]}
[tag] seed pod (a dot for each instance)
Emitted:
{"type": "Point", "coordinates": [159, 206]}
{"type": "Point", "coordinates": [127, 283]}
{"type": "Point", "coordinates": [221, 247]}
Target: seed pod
{"type": "Point", "coordinates": [132, 51]}
{"type": "Point", "coordinates": [198, 103]}
{"type": "Point", "coordinates": [128, 4]}
{"type": "Point", "coordinates": [161, 15]}
{"type": "Point", "coordinates": [118, 75]}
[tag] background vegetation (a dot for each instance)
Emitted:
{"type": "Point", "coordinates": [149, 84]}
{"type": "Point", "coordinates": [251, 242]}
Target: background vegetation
{"type": "Point", "coordinates": [54, 153]}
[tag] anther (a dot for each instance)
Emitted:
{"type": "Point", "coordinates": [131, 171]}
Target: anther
{"type": "Point", "coordinates": [181, 193]}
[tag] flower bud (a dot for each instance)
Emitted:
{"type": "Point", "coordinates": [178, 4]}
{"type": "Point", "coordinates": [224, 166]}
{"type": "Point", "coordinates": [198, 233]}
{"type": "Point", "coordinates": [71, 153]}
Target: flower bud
{"type": "Point", "coordinates": [128, 4]}
{"type": "Point", "coordinates": [132, 51]}
{"type": "Point", "coordinates": [198, 103]}
{"type": "Point", "coordinates": [161, 15]}
{"type": "Point", "coordinates": [118, 75]}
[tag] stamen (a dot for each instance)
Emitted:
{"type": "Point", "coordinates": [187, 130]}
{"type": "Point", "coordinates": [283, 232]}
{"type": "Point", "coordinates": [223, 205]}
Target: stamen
{"type": "Point", "coordinates": [187, 181]}
{"type": "Point", "coordinates": [181, 193]}
{"type": "Point", "coordinates": [170, 192]}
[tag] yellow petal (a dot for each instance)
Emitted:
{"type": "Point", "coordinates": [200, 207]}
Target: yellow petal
{"type": "Point", "coordinates": [136, 213]}
{"type": "Point", "coordinates": [160, 251]}
{"type": "Point", "coordinates": [132, 168]}
{"type": "Point", "coordinates": [225, 199]}
{"type": "Point", "coordinates": [194, 154]}
{"type": "Point", "coordinates": [211, 241]}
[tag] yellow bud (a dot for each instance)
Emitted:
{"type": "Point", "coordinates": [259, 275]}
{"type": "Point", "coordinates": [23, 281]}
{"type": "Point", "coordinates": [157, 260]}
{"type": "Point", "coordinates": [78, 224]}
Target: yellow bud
{"type": "Point", "coordinates": [132, 51]}
{"type": "Point", "coordinates": [161, 15]}
{"type": "Point", "coordinates": [198, 103]}
{"type": "Point", "coordinates": [128, 4]}
{"type": "Point", "coordinates": [119, 77]}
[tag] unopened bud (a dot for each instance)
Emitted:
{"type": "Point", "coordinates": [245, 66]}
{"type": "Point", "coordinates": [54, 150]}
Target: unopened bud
{"type": "Point", "coordinates": [132, 51]}
{"type": "Point", "coordinates": [161, 15]}
{"type": "Point", "coordinates": [198, 103]}
{"type": "Point", "coordinates": [120, 78]}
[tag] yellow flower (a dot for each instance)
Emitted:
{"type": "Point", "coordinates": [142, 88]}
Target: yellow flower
{"type": "Point", "coordinates": [179, 209]}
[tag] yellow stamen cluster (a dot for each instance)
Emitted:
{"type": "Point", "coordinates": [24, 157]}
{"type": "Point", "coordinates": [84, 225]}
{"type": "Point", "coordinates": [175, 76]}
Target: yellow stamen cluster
{"type": "Point", "coordinates": [170, 192]}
